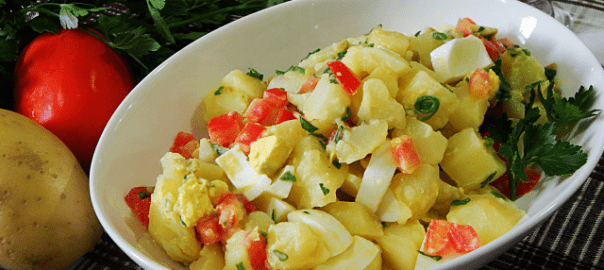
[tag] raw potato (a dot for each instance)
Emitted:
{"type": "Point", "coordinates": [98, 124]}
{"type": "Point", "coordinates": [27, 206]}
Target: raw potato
{"type": "Point", "coordinates": [46, 217]}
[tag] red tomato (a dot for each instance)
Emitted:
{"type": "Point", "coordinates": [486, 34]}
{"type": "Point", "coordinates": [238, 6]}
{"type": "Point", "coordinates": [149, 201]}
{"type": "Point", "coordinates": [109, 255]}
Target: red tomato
{"type": "Point", "coordinates": [463, 238]}
{"type": "Point", "coordinates": [256, 250]}
{"type": "Point", "coordinates": [437, 238]}
{"type": "Point", "coordinates": [276, 96]}
{"type": "Point", "coordinates": [503, 185]}
{"type": "Point", "coordinates": [184, 144]}
{"type": "Point", "coordinates": [478, 86]}
{"type": "Point", "coordinates": [223, 129]}
{"type": "Point", "coordinates": [250, 133]}
{"type": "Point", "coordinates": [139, 201]}
{"type": "Point", "coordinates": [347, 79]}
{"type": "Point", "coordinates": [209, 230]}
{"type": "Point", "coordinates": [262, 112]}
{"type": "Point", "coordinates": [309, 85]}
{"type": "Point", "coordinates": [493, 46]}
{"type": "Point", "coordinates": [71, 83]}
{"type": "Point", "coordinates": [443, 238]}
{"type": "Point", "coordinates": [465, 26]}
{"type": "Point", "coordinates": [405, 154]}
{"type": "Point", "coordinates": [284, 115]}
{"type": "Point", "coordinates": [230, 211]}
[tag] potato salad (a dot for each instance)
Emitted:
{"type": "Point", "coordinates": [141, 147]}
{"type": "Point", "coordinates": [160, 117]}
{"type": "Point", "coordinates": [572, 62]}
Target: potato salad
{"type": "Point", "coordinates": [373, 152]}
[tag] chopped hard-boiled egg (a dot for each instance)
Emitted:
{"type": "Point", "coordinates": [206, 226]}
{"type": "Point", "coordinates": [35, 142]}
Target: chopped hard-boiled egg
{"type": "Point", "coordinates": [458, 57]}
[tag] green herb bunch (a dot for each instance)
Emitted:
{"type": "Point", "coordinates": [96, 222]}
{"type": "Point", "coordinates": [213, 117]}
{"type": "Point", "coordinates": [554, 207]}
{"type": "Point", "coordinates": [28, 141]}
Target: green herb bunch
{"type": "Point", "coordinates": [145, 32]}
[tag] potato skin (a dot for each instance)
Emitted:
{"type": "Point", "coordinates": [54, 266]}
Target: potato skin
{"type": "Point", "coordinates": [46, 216]}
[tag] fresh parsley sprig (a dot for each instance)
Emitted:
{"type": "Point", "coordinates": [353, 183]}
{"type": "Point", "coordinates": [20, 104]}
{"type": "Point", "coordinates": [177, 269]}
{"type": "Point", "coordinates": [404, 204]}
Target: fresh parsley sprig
{"type": "Point", "coordinates": [528, 142]}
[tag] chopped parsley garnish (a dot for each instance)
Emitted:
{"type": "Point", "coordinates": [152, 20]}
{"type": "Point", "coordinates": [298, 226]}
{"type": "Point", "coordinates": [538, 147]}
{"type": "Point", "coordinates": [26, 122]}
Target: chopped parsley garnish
{"type": "Point", "coordinates": [498, 195]}
{"type": "Point", "coordinates": [143, 195]}
{"type": "Point", "coordinates": [291, 68]}
{"type": "Point", "coordinates": [337, 164]}
{"type": "Point", "coordinates": [504, 86]}
{"type": "Point", "coordinates": [488, 180]}
{"type": "Point", "coordinates": [324, 189]}
{"type": "Point", "coordinates": [348, 114]}
{"type": "Point", "coordinates": [240, 266]}
{"type": "Point", "coordinates": [460, 202]}
{"type": "Point", "coordinates": [280, 255]}
{"type": "Point", "coordinates": [218, 91]}
{"type": "Point", "coordinates": [341, 55]}
{"type": "Point", "coordinates": [288, 176]}
{"type": "Point", "coordinates": [338, 136]}
{"type": "Point", "coordinates": [436, 258]}
{"type": "Point", "coordinates": [439, 36]}
{"type": "Point", "coordinates": [311, 53]}
{"type": "Point", "coordinates": [253, 73]}
{"type": "Point", "coordinates": [446, 86]}
{"type": "Point", "coordinates": [417, 34]}
{"type": "Point", "coordinates": [427, 106]}
{"type": "Point", "coordinates": [308, 126]}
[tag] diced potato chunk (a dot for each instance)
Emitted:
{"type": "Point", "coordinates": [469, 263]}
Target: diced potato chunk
{"type": "Point", "coordinates": [378, 104]}
{"type": "Point", "coordinates": [251, 86]}
{"type": "Point", "coordinates": [211, 257]}
{"type": "Point", "coordinates": [364, 60]}
{"type": "Point", "coordinates": [290, 81]}
{"type": "Point", "coordinates": [359, 141]}
{"type": "Point", "coordinates": [296, 240]}
{"type": "Point", "coordinates": [489, 215]}
{"type": "Point", "coordinates": [421, 84]}
{"type": "Point", "coordinates": [357, 218]}
{"type": "Point", "coordinates": [423, 45]}
{"type": "Point", "coordinates": [417, 190]}
{"type": "Point", "coordinates": [223, 100]}
{"type": "Point", "coordinates": [275, 208]}
{"type": "Point", "coordinates": [394, 41]}
{"type": "Point", "coordinates": [468, 161]}
{"type": "Point", "coordinates": [470, 111]}
{"type": "Point", "coordinates": [327, 102]}
{"type": "Point", "coordinates": [430, 144]}
{"type": "Point", "coordinates": [316, 178]}
{"type": "Point", "coordinates": [400, 244]}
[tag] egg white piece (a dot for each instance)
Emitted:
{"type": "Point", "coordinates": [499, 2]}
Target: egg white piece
{"type": "Point", "coordinates": [458, 57]}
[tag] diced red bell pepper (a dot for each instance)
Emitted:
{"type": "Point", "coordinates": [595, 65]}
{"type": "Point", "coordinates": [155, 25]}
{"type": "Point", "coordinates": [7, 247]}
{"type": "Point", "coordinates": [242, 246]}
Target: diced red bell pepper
{"type": "Point", "coordinates": [249, 134]}
{"type": "Point", "coordinates": [478, 85]}
{"type": "Point", "coordinates": [276, 96]}
{"type": "Point", "coordinates": [503, 185]}
{"type": "Point", "coordinates": [185, 144]}
{"type": "Point", "coordinates": [309, 85]}
{"type": "Point", "coordinates": [405, 154]}
{"type": "Point", "coordinates": [465, 26]}
{"type": "Point", "coordinates": [443, 238]}
{"type": "Point", "coordinates": [493, 46]}
{"type": "Point", "coordinates": [223, 129]}
{"type": "Point", "coordinates": [345, 77]}
{"type": "Point", "coordinates": [139, 201]}
{"type": "Point", "coordinates": [262, 112]}
{"type": "Point", "coordinates": [209, 230]}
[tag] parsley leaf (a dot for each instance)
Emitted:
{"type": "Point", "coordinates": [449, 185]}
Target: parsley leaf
{"type": "Point", "coordinates": [539, 144]}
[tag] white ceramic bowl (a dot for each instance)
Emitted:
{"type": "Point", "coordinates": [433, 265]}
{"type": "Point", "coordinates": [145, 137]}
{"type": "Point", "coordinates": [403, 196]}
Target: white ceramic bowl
{"type": "Point", "coordinates": [168, 100]}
